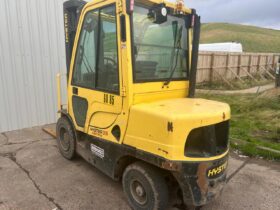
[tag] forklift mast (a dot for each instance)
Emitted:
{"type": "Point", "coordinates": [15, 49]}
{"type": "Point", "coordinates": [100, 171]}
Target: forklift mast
{"type": "Point", "coordinates": [71, 12]}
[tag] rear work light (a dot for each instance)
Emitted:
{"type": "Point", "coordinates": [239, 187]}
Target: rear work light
{"type": "Point", "coordinates": [179, 6]}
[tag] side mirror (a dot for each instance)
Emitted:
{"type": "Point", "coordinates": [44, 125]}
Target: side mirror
{"type": "Point", "coordinates": [158, 14]}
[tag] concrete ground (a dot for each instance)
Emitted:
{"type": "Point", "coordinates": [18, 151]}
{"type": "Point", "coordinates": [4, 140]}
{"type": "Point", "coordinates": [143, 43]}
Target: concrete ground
{"type": "Point", "coordinates": [33, 175]}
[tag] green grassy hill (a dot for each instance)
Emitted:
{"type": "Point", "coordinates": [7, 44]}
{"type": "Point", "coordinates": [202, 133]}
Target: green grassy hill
{"type": "Point", "coordinates": [253, 39]}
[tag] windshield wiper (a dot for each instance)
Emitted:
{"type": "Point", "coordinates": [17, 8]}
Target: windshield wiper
{"type": "Point", "coordinates": [176, 46]}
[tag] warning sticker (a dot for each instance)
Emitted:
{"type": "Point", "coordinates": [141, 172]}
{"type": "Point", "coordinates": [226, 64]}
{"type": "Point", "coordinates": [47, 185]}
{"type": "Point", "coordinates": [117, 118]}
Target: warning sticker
{"type": "Point", "coordinates": [99, 152]}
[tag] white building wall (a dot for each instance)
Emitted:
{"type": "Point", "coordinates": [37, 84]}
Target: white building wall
{"type": "Point", "coordinates": [31, 54]}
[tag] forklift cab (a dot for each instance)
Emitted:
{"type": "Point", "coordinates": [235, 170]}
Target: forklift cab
{"type": "Point", "coordinates": [147, 46]}
{"type": "Point", "coordinates": [94, 82]}
{"type": "Point", "coordinates": [131, 67]}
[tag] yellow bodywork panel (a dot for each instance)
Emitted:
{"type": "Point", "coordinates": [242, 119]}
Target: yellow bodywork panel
{"type": "Point", "coordinates": [153, 91]}
{"type": "Point", "coordinates": [103, 107]}
{"type": "Point", "coordinates": [102, 119]}
{"type": "Point", "coordinates": [148, 129]}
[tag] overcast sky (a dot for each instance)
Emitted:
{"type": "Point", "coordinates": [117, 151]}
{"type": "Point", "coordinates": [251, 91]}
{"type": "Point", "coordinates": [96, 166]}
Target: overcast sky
{"type": "Point", "coordinates": [263, 13]}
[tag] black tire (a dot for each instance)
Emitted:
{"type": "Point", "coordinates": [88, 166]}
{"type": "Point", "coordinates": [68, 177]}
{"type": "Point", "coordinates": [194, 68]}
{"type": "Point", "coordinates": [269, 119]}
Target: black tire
{"type": "Point", "coordinates": [65, 138]}
{"type": "Point", "coordinates": [194, 207]}
{"type": "Point", "coordinates": [144, 187]}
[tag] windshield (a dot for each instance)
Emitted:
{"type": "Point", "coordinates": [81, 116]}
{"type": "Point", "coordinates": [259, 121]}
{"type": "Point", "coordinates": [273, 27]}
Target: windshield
{"type": "Point", "coordinates": [160, 50]}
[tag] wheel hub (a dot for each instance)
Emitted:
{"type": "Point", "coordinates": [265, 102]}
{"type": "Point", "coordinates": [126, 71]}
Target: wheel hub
{"type": "Point", "coordinates": [64, 140]}
{"type": "Point", "coordinates": [138, 192]}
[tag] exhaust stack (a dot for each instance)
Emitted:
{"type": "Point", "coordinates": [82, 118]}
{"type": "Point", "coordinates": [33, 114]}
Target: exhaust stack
{"type": "Point", "coordinates": [195, 54]}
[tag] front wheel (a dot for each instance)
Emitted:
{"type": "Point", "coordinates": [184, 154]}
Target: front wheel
{"type": "Point", "coordinates": [65, 138]}
{"type": "Point", "coordinates": [144, 187]}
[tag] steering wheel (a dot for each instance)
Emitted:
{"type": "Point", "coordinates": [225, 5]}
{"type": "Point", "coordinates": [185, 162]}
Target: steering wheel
{"type": "Point", "coordinates": [110, 60]}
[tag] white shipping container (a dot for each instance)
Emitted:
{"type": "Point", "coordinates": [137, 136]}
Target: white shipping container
{"type": "Point", "coordinates": [222, 47]}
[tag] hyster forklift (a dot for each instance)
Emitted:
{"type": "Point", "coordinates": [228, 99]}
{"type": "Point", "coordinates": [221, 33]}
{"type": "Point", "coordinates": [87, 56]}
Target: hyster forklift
{"type": "Point", "coordinates": [131, 111]}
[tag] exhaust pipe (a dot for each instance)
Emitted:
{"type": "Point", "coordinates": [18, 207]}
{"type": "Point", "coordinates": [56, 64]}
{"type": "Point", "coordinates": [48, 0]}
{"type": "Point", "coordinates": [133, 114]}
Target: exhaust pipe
{"type": "Point", "coordinates": [195, 53]}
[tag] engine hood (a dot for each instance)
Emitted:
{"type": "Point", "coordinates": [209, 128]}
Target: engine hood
{"type": "Point", "coordinates": [186, 108]}
{"type": "Point", "coordinates": [163, 126]}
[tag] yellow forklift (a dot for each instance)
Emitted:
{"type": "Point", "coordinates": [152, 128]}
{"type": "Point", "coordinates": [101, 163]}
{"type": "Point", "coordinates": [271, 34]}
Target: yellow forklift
{"type": "Point", "coordinates": [131, 111]}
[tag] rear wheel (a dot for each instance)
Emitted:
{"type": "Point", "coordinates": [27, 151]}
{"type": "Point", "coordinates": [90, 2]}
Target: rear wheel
{"type": "Point", "coordinates": [189, 207]}
{"type": "Point", "coordinates": [65, 138]}
{"type": "Point", "coordinates": [144, 187]}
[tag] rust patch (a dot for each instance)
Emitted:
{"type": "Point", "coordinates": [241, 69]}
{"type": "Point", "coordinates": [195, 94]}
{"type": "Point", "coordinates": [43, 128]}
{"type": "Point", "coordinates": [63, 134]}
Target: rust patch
{"type": "Point", "coordinates": [170, 166]}
{"type": "Point", "coordinates": [201, 181]}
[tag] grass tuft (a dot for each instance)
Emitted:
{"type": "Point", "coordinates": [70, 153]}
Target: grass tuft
{"type": "Point", "coordinates": [255, 122]}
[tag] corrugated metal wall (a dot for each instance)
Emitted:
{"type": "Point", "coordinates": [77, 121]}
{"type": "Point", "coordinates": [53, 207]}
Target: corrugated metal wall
{"type": "Point", "coordinates": [31, 54]}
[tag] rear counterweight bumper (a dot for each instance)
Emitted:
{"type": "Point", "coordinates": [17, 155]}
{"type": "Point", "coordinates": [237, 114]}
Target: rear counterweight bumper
{"type": "Point", "coordinates": [202, 182]}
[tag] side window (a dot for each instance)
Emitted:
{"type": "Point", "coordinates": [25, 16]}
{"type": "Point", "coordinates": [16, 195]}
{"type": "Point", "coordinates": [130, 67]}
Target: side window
{"type": "Point", "coordinates": [85, 63]}
{"type": "Point", "coordinates": [96, 64]}
{"type": "Point", "coordinates": [107, 78]}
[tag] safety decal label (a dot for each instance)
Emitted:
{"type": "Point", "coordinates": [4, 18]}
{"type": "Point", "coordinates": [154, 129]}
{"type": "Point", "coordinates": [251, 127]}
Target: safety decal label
{"type": "Point", "coordinates": [99, 152]}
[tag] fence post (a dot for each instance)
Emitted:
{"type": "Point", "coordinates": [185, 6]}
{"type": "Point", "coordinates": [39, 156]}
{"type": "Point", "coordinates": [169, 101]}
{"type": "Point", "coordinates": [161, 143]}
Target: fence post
{"type": "Point", "coordinates": [227, 63]}
{"type": "Point", "coordinates": [239, 65]}
{"type": "Point", "coordinates": [212, 67]}
{"type": "Point", "coordinates": [266, 62]}
{"type": "Point", "coordinates": [250, 63]}
{"type": "Point", "coordinates": [273, 61]}
{"type": "Point", "coordinates": [277, 73]}
{"type": "Point", "coordinates": [259, 63]}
